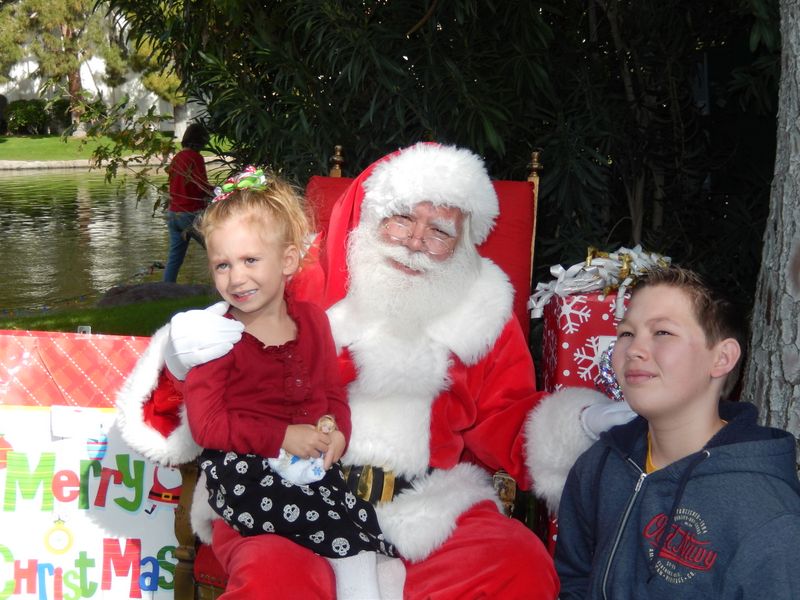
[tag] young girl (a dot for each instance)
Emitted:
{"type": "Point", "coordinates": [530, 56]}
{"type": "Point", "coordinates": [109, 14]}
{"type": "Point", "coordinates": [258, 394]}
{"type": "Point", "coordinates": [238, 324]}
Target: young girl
{"type": "Point", "coordinates": [271, 414]}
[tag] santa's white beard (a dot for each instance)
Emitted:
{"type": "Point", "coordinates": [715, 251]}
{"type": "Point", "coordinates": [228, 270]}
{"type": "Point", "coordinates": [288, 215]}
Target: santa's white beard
{"type": "Point", "coordinates": [383, 292]}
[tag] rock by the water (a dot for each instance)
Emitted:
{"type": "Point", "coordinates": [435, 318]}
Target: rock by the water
{"type": "Point", "coordinates": [157, 290]}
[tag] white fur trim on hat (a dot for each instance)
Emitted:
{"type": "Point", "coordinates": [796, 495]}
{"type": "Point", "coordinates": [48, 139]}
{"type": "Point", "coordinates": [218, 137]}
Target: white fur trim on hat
{"type": "Point", "coordinates": [555, 438]}
{"type": "Point", "coordinates": [442, 175]}
{"type": "Point", "coordinates": [420, 519]}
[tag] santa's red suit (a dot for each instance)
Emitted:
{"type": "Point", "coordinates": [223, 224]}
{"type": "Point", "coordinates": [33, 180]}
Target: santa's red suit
{"type": "Point", "coordinates": [443, 401]}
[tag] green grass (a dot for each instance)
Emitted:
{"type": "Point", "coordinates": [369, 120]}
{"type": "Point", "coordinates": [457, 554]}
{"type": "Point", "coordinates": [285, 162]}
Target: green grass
{"type": "Point", "coordinates": [47, 147]}
{"type": "Point", "coordinates": [134, 319]}
{"type": "Point", "coordinates": [55, 147]}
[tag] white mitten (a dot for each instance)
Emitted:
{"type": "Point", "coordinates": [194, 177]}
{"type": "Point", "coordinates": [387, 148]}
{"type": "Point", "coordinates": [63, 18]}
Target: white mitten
{"type": "Point", "coordinates": [198, 336]}
{"type": "Point", "coordinates": [597, 418]}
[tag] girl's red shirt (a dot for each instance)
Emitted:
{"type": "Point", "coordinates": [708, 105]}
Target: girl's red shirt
{"type": "Point", "coordinates": [244, 401]}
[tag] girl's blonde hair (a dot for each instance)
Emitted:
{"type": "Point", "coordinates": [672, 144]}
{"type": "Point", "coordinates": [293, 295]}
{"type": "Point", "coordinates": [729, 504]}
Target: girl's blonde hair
{"type": "Point", "coordinates": [280, 206]}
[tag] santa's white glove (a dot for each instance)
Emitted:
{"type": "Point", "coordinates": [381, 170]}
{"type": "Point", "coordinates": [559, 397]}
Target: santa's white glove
{"type": "Point", "coordinates": [597, 418]}
{"type": "Point", "coordinates": [198, 336]}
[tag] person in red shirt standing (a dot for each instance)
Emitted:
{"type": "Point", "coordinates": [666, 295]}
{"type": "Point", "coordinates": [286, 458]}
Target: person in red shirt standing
{"type": "Point", "coordinates": [188, 191]}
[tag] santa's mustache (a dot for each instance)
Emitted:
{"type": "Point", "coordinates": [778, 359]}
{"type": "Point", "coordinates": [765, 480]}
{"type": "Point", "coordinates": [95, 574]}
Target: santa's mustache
{"type": "Point", "coordinates": [417, 261]}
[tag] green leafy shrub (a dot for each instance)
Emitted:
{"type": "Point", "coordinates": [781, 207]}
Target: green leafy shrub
{"type": "Point", "coordinates": [60, 117]}
{"type": "Point", "coordinates": [99, 108]}
{"type": "Point", "coordinates": [27, 117]}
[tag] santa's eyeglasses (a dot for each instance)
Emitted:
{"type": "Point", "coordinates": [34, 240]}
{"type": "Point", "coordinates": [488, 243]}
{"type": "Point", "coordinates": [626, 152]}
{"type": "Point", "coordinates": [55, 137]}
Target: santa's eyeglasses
{"type": "Point", "coordinates": [436, 242]}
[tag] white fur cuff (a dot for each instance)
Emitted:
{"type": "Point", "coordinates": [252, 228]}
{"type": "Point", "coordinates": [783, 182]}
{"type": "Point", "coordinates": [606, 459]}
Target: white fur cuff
{"type": "Point", "coordinates": [555, 439]}
{"type": "Point", "coordinates": [421, 519]}
{"type": "Point", "coordinates": [178, 447]}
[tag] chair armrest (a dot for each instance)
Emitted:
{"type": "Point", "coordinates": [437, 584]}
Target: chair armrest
{"type": "Point", "coordinates": [506, 489]}
{"type": "Point", "coordinates": [521, 505]}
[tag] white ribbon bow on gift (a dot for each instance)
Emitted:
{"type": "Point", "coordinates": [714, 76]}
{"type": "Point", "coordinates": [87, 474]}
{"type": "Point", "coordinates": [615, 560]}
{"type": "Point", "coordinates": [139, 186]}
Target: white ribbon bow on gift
{"type": "Point", "coordinates": [617, 271]}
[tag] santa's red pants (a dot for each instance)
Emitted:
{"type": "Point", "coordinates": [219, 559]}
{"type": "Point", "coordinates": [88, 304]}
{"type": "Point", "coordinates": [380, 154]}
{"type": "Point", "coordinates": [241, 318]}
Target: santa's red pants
{"type": "Point", "coordinates": [488, 556]}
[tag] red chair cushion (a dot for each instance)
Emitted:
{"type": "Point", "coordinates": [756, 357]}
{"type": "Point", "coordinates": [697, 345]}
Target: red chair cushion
{"type": "Point", "coordinates": [510, 245]}
{"type": "Point", "coordinates": [321, 194]}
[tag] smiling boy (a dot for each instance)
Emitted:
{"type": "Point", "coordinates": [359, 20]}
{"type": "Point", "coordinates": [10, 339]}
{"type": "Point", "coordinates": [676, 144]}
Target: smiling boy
{"type": "Point", "coordinates": [692, 499]}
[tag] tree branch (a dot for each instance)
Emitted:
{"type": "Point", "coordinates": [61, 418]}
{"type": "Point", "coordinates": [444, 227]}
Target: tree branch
{"type": "Point", "coordinates": [424, 18]}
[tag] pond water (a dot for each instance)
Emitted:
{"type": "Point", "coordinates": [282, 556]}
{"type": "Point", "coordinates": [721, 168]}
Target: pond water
{"type": "Point", "coordinates": [66, 236]}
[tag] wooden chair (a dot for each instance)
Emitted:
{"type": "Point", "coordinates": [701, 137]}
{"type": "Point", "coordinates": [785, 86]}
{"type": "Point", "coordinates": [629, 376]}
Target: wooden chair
{"type": "Point", "coordinates": [198, 576]}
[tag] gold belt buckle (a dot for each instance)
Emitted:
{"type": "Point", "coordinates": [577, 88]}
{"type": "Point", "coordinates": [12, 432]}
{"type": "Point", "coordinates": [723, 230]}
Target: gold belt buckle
{"type": "Point", "coordinates": [373, 484]}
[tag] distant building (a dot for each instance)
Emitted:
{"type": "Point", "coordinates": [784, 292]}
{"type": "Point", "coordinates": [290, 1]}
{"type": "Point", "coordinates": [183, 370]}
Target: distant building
{"type": "Point", "coordinates": [23, 85]}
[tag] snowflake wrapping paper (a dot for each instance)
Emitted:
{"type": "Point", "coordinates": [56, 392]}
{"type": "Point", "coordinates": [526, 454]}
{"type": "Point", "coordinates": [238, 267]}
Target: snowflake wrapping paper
{"type": "Point", "coordinates": [577, 329]}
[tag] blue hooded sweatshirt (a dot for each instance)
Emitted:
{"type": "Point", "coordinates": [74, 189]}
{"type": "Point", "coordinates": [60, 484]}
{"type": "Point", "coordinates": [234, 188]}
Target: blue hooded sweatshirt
{"type": "Point", "coordinates": [721, 523]}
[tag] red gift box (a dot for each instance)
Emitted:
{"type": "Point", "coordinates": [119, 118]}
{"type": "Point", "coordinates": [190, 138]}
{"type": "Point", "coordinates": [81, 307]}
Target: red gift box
{"type": "Point", "coordinates": [577, 329]}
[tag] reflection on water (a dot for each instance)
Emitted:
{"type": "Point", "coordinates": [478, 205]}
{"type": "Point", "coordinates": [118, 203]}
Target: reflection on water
{"type": "Point", "coordinates": [67, 235]}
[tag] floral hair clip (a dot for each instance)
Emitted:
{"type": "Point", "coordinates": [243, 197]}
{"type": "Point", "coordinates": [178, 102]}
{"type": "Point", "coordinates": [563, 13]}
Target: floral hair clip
{"type": "Point", "coordinates": [250, 178]}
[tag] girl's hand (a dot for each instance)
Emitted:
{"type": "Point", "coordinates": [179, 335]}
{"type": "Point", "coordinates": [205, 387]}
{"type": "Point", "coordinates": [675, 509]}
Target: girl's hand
{"type": "Point", "coordinates": [336, 448]}
{"type": "Point", "coordinates": [305, 441]}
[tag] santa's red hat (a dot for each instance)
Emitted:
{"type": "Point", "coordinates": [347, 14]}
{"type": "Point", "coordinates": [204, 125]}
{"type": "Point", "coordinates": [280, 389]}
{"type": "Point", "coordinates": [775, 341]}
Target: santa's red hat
{"type": "Point", "coordinates": [442, 175]}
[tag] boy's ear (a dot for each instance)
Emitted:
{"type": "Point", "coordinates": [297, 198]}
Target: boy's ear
{"type": "Point", "coordinates": [728, 354]}
{"type": "Point", "coordinates": [291, 259]}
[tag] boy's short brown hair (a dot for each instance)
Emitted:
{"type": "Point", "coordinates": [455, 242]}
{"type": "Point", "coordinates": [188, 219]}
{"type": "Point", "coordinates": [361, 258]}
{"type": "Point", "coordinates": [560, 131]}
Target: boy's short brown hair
{"type": "Point", "coordinates": [717, 316]}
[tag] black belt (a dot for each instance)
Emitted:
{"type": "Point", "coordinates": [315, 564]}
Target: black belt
{"type": "Point", "coordinates": [374, 484]}
{"type": "Point", "coordinates": [164, 497]}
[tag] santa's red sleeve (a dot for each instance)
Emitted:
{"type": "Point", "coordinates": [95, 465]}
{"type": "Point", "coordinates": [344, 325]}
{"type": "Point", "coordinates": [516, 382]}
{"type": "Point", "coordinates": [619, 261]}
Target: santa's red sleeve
{"type": "Point", "coordinates": [535, 436]}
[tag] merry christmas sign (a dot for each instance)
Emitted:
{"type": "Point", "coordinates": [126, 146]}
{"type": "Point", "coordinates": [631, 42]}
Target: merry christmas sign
{"type": "Point", "coordinates": [83, 516]}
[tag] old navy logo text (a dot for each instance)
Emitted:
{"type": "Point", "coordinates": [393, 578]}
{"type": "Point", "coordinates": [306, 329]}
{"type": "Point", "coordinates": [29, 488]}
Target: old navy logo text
{"type": "Point", "coordinates": [681, 545]}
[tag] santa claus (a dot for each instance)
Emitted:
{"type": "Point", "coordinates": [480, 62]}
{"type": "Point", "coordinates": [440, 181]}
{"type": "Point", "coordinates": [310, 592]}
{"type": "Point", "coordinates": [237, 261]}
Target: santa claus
{"type": "Point", "coordinates": [440, 383]}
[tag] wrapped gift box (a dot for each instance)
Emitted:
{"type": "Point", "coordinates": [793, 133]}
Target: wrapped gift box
{"type": "Point", "coordinates": [577, 329]}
